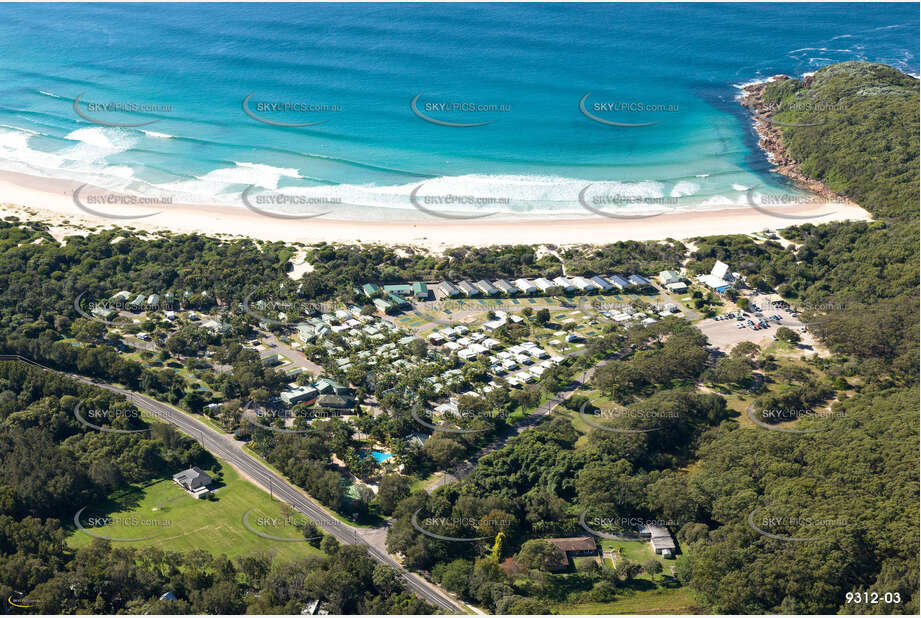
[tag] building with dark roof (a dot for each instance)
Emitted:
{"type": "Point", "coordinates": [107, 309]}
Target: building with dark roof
{"type": "Point", "coordinates": [194, 481]}
{"type": "Point", "coordinates": [638, 280]}
{"type": "Point", "coordinates": [570, 547]}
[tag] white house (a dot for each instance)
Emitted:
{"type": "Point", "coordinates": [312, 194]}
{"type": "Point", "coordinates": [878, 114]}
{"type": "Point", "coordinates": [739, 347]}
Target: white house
{"type": "Point", "coordinates": [564, 284]}
{"type": "Point", "coordinates": [525, 286]}
{"type": "Point", "coordinates": [546, 286]}
{"type": "Point", "coordinates": [583, 284]}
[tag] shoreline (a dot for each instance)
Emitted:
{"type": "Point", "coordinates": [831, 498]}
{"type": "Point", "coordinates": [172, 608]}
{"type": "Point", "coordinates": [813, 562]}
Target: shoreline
{"type": "Point", "coordinates": [51, 201]}
{"type": "Point", "coordinates": [770, 138]}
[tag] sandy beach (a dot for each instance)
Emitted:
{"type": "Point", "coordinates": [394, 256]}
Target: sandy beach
{"type": "Point", "coordinates": [51, 201]}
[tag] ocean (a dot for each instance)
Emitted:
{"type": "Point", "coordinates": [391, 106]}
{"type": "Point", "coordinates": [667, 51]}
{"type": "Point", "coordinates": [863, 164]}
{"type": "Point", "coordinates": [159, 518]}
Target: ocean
{"type": "Point", "coordinates": [417, 110]}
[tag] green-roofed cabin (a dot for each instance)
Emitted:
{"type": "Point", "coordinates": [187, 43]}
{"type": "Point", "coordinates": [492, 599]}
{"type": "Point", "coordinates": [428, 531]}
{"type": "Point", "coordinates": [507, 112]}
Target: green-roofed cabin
{"type": "Point", "coordinates": [420, 290]}
{"type": "Point", "coordinates": [403, 289]}
{"type": "Point", "coordinates": [399, 301]}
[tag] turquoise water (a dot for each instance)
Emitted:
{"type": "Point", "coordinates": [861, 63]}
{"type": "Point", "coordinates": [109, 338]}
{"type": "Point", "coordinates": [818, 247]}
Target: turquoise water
{"type": "Point", "coordinates": [380, 457]}
{"type": "Point", "coordinates": [356, 68]}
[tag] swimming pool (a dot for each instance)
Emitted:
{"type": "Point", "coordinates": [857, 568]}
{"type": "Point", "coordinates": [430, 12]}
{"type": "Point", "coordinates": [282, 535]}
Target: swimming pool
{"type": "Point", "coordinates": [380, 457]}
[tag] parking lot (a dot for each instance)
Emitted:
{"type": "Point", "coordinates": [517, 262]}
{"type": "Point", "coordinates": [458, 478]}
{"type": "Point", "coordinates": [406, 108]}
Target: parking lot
{"type": "Point", "coordinates": [727, 330]}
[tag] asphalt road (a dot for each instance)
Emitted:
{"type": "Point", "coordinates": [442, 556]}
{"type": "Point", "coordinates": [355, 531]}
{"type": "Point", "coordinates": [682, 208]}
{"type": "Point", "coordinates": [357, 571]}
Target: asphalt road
{"type": "Point", "coordinates": [230, 450]}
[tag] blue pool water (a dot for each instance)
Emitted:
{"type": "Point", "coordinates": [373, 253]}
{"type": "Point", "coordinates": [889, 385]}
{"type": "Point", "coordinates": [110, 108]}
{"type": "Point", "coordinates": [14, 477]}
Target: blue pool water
{"type": "Point", "coordinates": [356, 68]}
{"type": "Point", "coordinates": [380, 457]}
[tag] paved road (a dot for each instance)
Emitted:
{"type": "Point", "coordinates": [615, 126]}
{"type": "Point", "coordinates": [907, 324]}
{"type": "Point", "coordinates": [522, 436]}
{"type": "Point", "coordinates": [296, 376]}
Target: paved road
{"type": "Point", "coordinates": [231, 451]}
{"type": "Point", "coordinates": [296, 357]}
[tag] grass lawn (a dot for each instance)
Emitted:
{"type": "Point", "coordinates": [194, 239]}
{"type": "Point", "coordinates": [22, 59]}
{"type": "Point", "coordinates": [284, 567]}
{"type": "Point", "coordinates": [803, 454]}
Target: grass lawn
{"type": "Point", "coordinates": [583, 562]}
{"type": "Point", "coordinates": [637, 551]}
{"type": "Point", "coordinates": [215, 526]}
{"type": "Point", "coordinates": [658, 600]}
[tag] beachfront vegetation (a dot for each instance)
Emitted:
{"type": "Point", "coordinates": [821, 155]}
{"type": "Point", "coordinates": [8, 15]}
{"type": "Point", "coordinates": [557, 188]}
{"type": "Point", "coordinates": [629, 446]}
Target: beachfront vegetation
{"type": "Point", "coordinates": [854, 126]}
{"type": "Point", "coordinates": [686, 450]}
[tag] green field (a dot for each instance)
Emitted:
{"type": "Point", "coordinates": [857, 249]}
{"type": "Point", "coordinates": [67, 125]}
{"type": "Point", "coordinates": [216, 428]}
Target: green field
{"type": "Point", "coordinates": [187, 523]}
{"type": "Point", "coordinates": [636, 551]}
{"type": "Point", "coordinates": [652, 601]}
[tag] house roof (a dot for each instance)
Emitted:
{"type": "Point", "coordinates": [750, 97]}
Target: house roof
{"type": "Point", "coordinates": [448, 288]}
{"type": "Point", "coordinates": [575, 543]}
{"type": "Point", "coordinates": [400, 288]}
{"type": "Point", "coordinates": [638, 280]}
{"type": "Point", "coordinates": [601, 281]}
{"type": "Point", "coordinates": [714, 282]}
{"type": "Point", "coordinates": [194, 473]}
{"type": "Point", "coordinates": [335, 401]}
{"type": "Point", "coordinates": [659, 536]}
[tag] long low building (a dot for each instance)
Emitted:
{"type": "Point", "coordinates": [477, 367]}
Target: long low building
{"type": "Point", "coordinates": [420, 290]}
{"type": "Point", "coordinates": [299, 394]}
{"type": "Point", "coordinates": [638, 280]}
{"type": "Point", "coordinates": [602, 283]}
{"type": "Point", "coordinates": [525, 286]}
{"type": "Point", "coordinates": [546, 286]}
{"type": "Point", "coordinates": [447, 288]}
{"type": "Point", "coordinates": [564, 284]}
{"type": "Point", "coordinates": [486, 287]}
{"type": "Point", "coordinates": [467, 288]}
{"type": "Point", "coordinates": [660, 539]}
{"type": "Point", "coordinates": [583, 284]}
{"type": "Point", "coordinates": [505, 286]}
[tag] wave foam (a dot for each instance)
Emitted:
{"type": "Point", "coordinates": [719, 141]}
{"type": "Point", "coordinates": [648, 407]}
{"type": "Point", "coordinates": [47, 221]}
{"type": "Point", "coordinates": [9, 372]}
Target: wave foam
{"type": "Point", "coordinates": [99, 142]}
{"type": "Point", "coordinates": [158, 135]}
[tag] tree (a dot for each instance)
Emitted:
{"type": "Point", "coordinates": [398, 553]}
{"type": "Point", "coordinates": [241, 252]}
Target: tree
{"type": "Point", "coordinates": [788, 335]}
{"type": "Point", "coordinates": [652, 567]}
{"type": "Point", "coordinates": [497, 547]}
{"type": "Point", "coordinates": [329, 545]}
{"type": "Point", "coordinates": [87, 331]}
{"type": "Point", "coordinates": [627, 569]}
{"type": "Point", "coordinates": [542, 316]}
{"type": "Point", "coordinates": [386, 579]}
{"type": "Point", "coordinates": [393, 488]}
{"type": "Point", "coordinates": [312, 533]}
{"type": "Point", "coordinates": [745, 348]}
{"type": "Point", "coordinates": [455, 575]}
{"type": "Point", "coordinates": [730, 370]}
{"type": "Point", "coordinates": [443, 451]}
{"type": "Point", "coordinates": [539, 554]}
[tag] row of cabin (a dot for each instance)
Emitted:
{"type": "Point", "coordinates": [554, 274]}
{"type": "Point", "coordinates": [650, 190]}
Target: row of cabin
{"type": "Point", "coordinates": [541, 285]}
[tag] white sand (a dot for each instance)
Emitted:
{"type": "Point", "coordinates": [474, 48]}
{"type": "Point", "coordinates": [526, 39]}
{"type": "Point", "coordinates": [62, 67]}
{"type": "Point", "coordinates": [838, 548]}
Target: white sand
{"type": "Point", "coordinates": [51, 201]}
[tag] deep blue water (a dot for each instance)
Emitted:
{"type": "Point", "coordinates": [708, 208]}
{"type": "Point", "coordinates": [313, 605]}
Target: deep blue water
{"type": "Point", "coordinates": [364, 63]}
